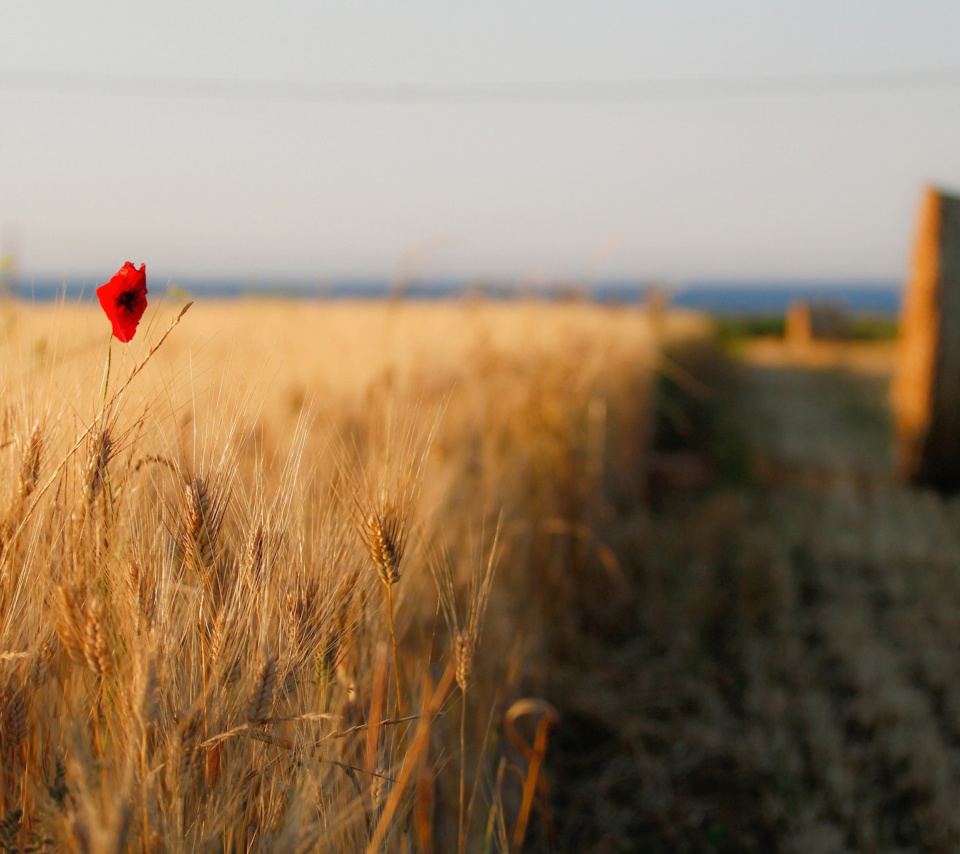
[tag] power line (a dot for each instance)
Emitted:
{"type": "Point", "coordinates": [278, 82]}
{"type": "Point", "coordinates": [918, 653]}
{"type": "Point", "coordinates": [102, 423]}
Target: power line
{"type": "Point", "coordinates": [513, 93]}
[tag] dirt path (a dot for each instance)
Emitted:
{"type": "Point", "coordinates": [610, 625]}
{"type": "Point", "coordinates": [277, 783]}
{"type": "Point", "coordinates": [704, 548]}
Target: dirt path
{"type": "Point", "coordinates": [793, 679]}
{"type": "Point", "coordinates": [818, 414]}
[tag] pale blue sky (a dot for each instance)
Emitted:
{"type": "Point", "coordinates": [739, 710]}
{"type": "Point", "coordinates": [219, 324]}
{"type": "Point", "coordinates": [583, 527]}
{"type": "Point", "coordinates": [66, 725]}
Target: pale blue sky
{"type": "Point", "coordinates": [806, 185]}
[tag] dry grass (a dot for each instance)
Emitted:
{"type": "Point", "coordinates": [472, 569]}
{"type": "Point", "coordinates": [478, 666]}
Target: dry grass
{"type": "Point", "coordinates": [194, 637]}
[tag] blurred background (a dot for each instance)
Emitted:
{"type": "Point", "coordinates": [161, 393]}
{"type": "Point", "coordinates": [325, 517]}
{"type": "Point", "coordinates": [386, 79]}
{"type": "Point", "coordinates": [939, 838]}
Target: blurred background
{"type": "Point", "coordinates": [690, 144]}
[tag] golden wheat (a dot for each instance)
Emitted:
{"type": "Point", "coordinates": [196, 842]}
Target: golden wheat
{"type": "Point", "coordinates": [200, 566]}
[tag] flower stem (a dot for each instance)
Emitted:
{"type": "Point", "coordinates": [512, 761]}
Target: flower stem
{"type": "Point", "coordinates": [106, 376]}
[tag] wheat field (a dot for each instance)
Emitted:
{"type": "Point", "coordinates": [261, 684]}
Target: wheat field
{"type": "Point", "coordinates": [285, 576]}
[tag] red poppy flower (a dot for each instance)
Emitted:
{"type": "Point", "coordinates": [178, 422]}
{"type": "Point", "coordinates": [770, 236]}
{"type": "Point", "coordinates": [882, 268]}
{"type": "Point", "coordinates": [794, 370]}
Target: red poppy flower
{"type": "Point", "coordinates": [124, 300]}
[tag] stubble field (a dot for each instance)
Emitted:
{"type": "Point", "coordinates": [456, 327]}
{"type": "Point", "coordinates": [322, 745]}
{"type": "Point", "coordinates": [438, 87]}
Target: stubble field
{"type": "Point", "coordinates": [790, 680]}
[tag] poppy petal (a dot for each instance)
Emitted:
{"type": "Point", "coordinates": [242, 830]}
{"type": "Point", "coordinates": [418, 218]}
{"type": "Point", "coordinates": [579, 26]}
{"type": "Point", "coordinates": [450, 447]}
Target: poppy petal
{"type": "Point", "coordinates": [124, 300]}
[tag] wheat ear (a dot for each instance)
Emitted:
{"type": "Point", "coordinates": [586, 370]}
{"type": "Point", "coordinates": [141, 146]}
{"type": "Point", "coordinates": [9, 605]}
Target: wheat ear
{"type": "Point", "coordinates": [384, 536]}
{"type": "Point", "coordinates": [260, 701]}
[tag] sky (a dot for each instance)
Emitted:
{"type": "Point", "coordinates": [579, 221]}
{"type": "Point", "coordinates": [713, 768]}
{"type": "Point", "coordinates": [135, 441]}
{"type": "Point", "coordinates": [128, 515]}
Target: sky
{"type": "Point", "coordinates": [254, 139]}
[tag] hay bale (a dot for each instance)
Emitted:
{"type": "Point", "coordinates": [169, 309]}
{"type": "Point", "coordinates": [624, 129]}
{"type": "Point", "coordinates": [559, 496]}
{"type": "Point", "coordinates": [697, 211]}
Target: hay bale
{"type": "Point", "coordinates": [926, 389]}
{"type": "Point", "coordinates": [798, 331]}
{"type": "Point", "coordinates": [819, 321]}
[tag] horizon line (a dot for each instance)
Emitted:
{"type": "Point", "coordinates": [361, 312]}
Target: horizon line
{"type": "Point", "coordinates": [474, 279]}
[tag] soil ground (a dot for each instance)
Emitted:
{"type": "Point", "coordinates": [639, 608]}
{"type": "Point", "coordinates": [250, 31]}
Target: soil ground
{"type": "Point", "coordinates": [789, 681]}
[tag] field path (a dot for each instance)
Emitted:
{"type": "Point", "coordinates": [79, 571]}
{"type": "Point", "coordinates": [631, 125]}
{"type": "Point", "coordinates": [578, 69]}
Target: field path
{"type": "Point", "coordinates": [825, 411]}
{"type": "Point", "coordinates": [794, 680]}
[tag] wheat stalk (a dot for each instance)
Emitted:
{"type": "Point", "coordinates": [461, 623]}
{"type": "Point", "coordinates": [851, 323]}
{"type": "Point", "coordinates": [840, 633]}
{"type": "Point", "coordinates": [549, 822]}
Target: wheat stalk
{"type": "Point", "coordinates": [98, 457]}
{"type": "Point", "coordinates": [260, 699]}
{"type": "Point", "coordinates": [97, 649]}
{"type": "Point", "coordinates": [200, 528]}
{"type": "Point", "coordinates": [465, 638]}
{"type": "Point", "coordinates": [13, 702]}
{"type": "Point", "coordinates": [30, 463]}
{"type": "Point", "coordinates": [67, 622]}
